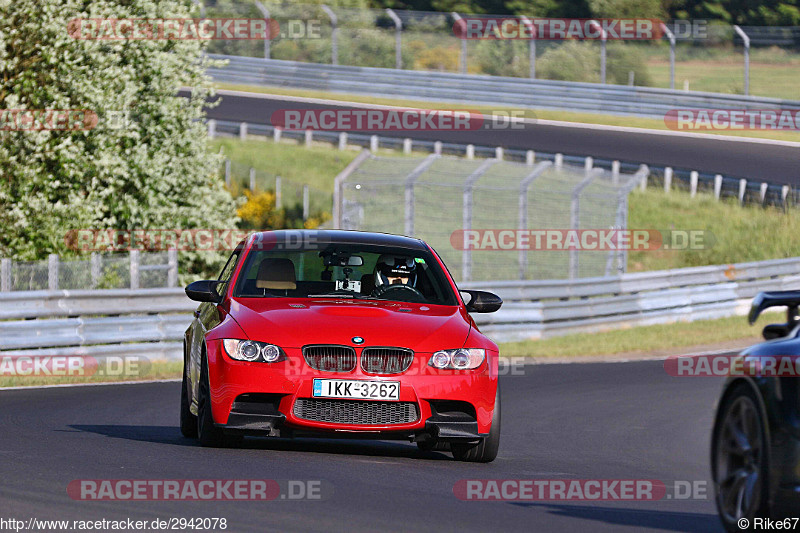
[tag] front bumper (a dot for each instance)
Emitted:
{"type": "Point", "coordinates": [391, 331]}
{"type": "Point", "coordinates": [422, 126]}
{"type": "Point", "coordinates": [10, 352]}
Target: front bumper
{"type": "Point", "coordinates": [260, 398]}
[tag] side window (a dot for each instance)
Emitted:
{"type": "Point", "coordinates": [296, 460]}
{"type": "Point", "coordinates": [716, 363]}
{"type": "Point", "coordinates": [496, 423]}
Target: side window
{"type": "Point", "coordinates": [227, 272]}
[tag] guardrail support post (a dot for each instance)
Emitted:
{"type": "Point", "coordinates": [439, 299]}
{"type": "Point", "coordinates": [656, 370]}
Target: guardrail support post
{"type": "Point", "coordinates": [398, 25]}
{"type": "Point", "coordinates": [278, 199]}
{"type": "Point", "coordinates": [717, 186]}
{"type": "Point", "coordinates": [615, 172]}
{"type": "Point", "coordinates": [309, 138]}
{"type": "Point", "coordinates": [588, 164]}
{"type": "Point", "coordinates": [742, 189]}
{"type": "Point", "coordinates": [746, 41]}
{"type": "Point", "coordinates": [134, 268]}
{"type": "Point", "coordinates": [643, 182]}
{"type": "Point", "coordinates": [252, 179]}
{"type": "Point", "coordinates": [498, 153]}
{"type": "Point", "coordinates": [276, 135]}
{"type": "Point", "coordinates": [784, 195]}
{"type": "Point", "coordinates": [334, 34]}
{"type": "Point", "coordinates": [522, 215]}
{"type": "Point", "coordinates": [243, 131]}
{"type": "Point", "coordinates": [306, 202]}
{"type": "Point", "coordinates": [343, 141]}
{"type": "Point", "coordinates": [212, 128]}
{"type": "Point", "coordinates": [406, 146]}
{"type": "Point", "coordinates": [5, 275]}
{"type": "Point", "coordinates": [693, 183]}
{"type": "Point", "coordinates": [373, 143]}
{"type": "Point", "coordinates": [437, 147]}
{"type": "Point", "coordinates": [470, 151]}
{"type": "Point", "coordinates": [764, 187]}
{"type": "Point", "coordinates": [530, 157]}
{"type": "Point", "coordinates": [667, 179]}
{"type": "Point", "coordinates": [172, 271]}
{"type": "Point", "coordinates": [96, 268]}
{"type": "Point", "coordinates": [52, 272]}
{"type": "Point", "coordinates": [558, 161]}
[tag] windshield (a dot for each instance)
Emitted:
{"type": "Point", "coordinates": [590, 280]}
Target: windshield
{"type": "Point", "coordinates": [345, 271]}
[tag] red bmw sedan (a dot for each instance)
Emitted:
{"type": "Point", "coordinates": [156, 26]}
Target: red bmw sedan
{"type": "Point", "coordinates": [340, 333]}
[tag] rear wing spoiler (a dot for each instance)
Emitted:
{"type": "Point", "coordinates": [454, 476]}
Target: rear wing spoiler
{"type": "Point", "coordinates": [765, 300]}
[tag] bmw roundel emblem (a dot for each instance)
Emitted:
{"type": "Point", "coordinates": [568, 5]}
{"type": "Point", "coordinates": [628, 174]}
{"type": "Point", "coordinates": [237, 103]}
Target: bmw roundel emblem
{"type": "Point", "coordinates": [358, 340]}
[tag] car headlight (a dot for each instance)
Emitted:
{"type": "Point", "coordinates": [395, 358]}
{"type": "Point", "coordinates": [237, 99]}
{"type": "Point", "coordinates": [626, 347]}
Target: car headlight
{"type": "Point", "coordinates": [255, 351]}
{"type": "Point", "coordinates": [461, 359]}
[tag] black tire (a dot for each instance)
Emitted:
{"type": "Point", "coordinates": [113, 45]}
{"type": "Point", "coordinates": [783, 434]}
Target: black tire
{"type": "Point", "coordinates": [739, 459]}
{"type": "Point", "coordinates": [484, 451]}
{"type": "Point", "coordinates": [188, 420]}
{"type": "Point", "coordinates": [208, 434]}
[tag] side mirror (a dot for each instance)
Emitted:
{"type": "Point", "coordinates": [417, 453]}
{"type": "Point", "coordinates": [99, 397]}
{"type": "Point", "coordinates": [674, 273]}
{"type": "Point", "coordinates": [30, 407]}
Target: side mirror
{"type": "Point", "coordinates": [203, 291]}
{"type": "Point", "coordinates": [483, 302]}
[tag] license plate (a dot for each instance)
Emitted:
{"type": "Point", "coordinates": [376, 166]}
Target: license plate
{"type": "Point", "coordinates": [357, 389]}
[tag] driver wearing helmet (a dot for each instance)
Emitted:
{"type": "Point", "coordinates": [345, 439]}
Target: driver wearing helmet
{"type": "Point", "coordinates": [393, 270]}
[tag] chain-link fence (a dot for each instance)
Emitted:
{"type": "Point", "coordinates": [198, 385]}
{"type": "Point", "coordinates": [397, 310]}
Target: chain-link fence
{"type": "Point", "coordinates": [133, 270]}
{"type": "Point", "coordinates": [706, 56]}
{"type": "Point", "coordinates": [454, 203]}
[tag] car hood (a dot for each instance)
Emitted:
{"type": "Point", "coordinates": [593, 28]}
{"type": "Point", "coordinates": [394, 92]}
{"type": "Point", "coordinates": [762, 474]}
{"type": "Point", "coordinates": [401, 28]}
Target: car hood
{"type": "Point", "coordinates": [293, 323]}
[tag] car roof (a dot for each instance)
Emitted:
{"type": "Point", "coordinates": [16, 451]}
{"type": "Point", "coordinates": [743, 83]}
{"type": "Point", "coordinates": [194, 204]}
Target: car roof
{"type": "Point", "coordinates": [343, 237]}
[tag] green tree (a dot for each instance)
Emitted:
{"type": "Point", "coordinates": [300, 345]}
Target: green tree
{"type": "Point", "coordinates": [155, 171]}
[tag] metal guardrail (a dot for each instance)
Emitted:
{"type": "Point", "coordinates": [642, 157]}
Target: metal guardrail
{"type": "Point", "coordinates": [151, 322]}
{"type": "Point", "coordinates": [479, 89]}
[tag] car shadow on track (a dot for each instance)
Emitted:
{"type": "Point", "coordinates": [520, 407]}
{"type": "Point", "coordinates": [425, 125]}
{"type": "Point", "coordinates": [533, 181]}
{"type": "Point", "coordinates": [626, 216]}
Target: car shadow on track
{"type": "Point", "coordinates": [643, 518]}
{"type": "Point", "coordinates": [172, 435]}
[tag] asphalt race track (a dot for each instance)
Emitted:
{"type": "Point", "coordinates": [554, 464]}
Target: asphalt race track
{"type": "Point", "coordinates": [774, 163]}
{"type": "Point", "coordinates": [572, 421]}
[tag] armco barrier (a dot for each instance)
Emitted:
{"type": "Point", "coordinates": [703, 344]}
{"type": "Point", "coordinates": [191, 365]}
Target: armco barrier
{"type": "Point", "coordinates": [479, 89]}
{"type": "Point", "coordinates": [151, 322]}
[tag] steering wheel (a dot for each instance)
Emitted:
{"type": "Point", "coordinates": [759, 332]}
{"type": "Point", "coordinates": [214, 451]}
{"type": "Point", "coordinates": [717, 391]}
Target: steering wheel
{"type": "Point", "coordinates": [411, 293]}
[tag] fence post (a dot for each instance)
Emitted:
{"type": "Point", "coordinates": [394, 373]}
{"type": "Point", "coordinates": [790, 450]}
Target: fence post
{"type": "Point", "coordinates": [693, 183]}
{"type": "Point", "coordinates": [784, 194]}
{"type": "Point", "coordinates": [462, 60]}
{"type": "Point", "coordinates": [243, 131]}
{"type": "Point", "coordinates": [334, 34]}
{"type": "Point", "coordinates": [466, 215]}
{"type": "Point", "coordinates": [343, 141]}
{"type": "Point", "coordinates": [532, 45]}
{"type": "Point", "coordinates": [52, 272]}
{"type": "Point", "coordinates": [588, 164]}
{"type": "Point", "coordinates": [645, 175]}
{"type": "Point", "coordinates": [746, 41]}
{"type": "Point", "coordinates": [5, 275]}
{"type": "Point", "coordinates": [398, 25]}
{"type": "Point", "coordinates": [267, 37]}
{"type": "Point", "coordinates": [406, 146]}
{"type": "Point", "coordinates": [172, 271]}
{"type": "Point", "coordinates": [134, 266]}
{"type": "Point", "coordinates": [530, 158]}
{"type": "Point", "coordinates": [373, 143]}
{"type": "Point", "coordinates": [337, 187]}
{"type": "Point", "coordinates": [522, 215]}
{"type": "Point", "coordinates": [575, 217]}
{"type": "Point", "coordinates": [276, 134]}
{"type": "Point", "coordinates": [309, 137]}
{"type": "Point", "coordinates": [306, 202]}
{"type": "Point", "coordinates": [278, 199]}
{"type": "Point", "coordinates": [764, 187]}
{"type": "Point", "coordinates": [252, 179]}
{"type": "Point", "coordinates": [408, 223]}
{"type": "Point", "coordinates": [558, 161]}
{"type": "Point", "coordinates": [667, 179]}
{"type": "Point", "coordinates": [470, 151]}
{"type": "Point", "coordinates": [498, 153]}
{"type": "Point", "coordinates": [437, 147]}
{"type": "Point", "coordinates": [717, 186]}
{"type": "Point", "coordinates": [742, 189]}
{"type": "Point", "coordinates": [96, 267]}
{"type": "Point", "coordinates": [615, 172]}
{"type": "Point", "coordinates": [671, 37]}
{"type": "Point", "coordinates": [228, 172]}
{"type": "Point", "coordinates": [212, 128]}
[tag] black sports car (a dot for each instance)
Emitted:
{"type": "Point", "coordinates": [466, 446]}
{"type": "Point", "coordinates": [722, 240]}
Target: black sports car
{"type": "Point", "coordinates": [755, 447]}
